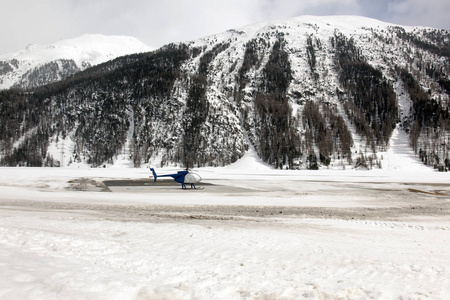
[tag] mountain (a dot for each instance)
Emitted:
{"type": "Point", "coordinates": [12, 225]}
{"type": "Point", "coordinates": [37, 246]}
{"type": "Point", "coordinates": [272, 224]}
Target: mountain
{"type": "Point", "coordinates": [304, 93]}
{"type": "Point", "coordinates": [38, 65]}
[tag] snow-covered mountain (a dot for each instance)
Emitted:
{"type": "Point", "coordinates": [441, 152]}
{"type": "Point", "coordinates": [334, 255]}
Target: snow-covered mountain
{"type": "Point", "coordinates": [308, 92]}
{"type": "Point", "coordinates": [37, 65]}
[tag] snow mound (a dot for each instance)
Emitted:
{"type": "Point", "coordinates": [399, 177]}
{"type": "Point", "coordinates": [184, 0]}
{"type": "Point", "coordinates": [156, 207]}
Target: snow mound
{"type": "Point", "coordinates": [250, 161]}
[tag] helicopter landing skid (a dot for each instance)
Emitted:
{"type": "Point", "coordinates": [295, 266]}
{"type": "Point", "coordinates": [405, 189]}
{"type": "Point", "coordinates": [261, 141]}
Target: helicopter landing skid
{"type": "Point", "coordinates": [193, 188]}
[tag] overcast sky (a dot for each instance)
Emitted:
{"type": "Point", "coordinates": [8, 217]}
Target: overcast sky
{"type": "Point", "coordinates": [158, 22]}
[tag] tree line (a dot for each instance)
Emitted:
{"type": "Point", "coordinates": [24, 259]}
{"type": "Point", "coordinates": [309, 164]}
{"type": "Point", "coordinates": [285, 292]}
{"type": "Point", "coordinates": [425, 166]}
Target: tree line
{"type": "Point", "coordinates": [370, 101]}
{"type": "Point", "coordinates": [430, 119]}
{"type": "Point", "coordinates": [279, 141]}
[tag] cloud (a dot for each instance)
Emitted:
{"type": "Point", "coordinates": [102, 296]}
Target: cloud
{"type": "Point", "coordinates": [433, 13]}
{"type": "Point", "coordinates": [158, 22]}
{"type": "Point", "coordinates": [161, 22]}
{"type": "Point", "coordinates": [28, 21]}
{"type": "Point", "coordinates": [313, 7]}
{"type": "Point", "coordinates": [186, 20]}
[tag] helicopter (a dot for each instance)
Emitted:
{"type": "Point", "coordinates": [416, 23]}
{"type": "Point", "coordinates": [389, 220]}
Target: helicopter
{"type": "Point", "coordinates": [182, 177]}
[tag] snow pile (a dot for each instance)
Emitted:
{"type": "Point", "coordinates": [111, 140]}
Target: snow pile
{"type": "Point", "coordinates": [250, 161]}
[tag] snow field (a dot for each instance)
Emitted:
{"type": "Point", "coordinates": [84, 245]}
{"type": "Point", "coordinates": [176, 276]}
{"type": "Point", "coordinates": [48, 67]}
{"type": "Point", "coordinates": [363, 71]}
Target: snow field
{"type": "Point", "coordinates": [71, 256]}
{"type": "Point", "coordinates": [60, 243]}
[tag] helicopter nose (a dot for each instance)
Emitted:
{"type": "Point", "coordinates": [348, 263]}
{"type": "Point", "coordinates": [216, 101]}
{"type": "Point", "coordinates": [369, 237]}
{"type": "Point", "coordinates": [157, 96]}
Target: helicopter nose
{"type": "Point", "coordinates": [192, 178]}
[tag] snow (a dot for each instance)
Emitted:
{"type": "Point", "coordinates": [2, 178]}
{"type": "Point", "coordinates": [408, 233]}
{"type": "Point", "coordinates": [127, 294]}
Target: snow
{"type": "Point", "coordinates": [400, 155]}
{"type": "Point", "coordinates": [85, 50]}
{"type": "Point", "coordinates": [92, 47]}
{"type": "Point", "coordinates": [250, 161]}
{"type": "Point", "coordinates": [367, 34]}
{"type": "Point", "coordinates": [225, 67]}
{"type": "Point", "coordinates": [253, 233]}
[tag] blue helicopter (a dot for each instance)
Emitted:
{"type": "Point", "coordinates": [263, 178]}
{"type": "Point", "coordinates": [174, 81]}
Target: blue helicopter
{"type": "Point", "coordinates": [182, 177]}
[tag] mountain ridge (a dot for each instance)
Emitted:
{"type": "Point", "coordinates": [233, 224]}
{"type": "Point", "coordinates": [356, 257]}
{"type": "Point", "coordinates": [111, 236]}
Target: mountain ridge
{"type": "Point", "coordinates": [307, 93]}
{"type": "Point", "coordinates": [63, 58]}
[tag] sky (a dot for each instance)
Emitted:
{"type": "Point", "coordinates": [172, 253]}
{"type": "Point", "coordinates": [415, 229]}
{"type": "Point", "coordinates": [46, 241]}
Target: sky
{"type": "Point", "coordinates": [157, 22]}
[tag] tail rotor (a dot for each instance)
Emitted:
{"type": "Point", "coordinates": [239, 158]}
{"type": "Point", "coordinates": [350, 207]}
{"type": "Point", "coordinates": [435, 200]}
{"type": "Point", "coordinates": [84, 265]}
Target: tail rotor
{"type": "Point", "coordinates": [154, 174]}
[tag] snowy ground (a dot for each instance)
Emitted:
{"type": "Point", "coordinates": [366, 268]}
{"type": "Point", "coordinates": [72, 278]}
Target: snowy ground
{"type": "Point", "coordinates": [253, 233]}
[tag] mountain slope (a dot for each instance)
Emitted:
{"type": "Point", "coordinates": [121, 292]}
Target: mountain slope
{"type": "Point", "coordinates": [308, 92]}
{"type": "Point", "coordinates": [37, 65]}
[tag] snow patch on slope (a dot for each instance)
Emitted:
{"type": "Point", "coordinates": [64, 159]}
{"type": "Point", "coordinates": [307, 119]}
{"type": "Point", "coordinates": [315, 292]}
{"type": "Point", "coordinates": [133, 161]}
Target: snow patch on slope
{"type": "Point", "coordinates": [400, 156]}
